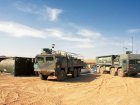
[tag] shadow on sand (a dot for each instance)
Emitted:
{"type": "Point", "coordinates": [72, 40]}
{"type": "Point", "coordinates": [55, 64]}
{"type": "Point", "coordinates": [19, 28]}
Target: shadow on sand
{"type": "Point", "coordinates": [137, 76]}
{"type": "Point", "coordinates": [82, 78]}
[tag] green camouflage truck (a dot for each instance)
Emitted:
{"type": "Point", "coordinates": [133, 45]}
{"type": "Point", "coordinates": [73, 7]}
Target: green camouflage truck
{"type": "Point", "coordinates": [57, 63]}
{"type": "Point", "coordinates": [121, 65]}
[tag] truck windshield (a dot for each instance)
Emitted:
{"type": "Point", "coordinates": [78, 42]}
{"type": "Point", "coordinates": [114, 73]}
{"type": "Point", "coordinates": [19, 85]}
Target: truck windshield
{"type": "Point", "coordinates": [49, 59]}
{"type": "Point", "coordinates": [40, 59]}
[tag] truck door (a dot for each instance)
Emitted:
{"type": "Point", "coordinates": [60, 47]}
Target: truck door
{"type": "Point", "coordinates": [137, 66]}
{"type": "Point", "coordinates": [124, 65]}
{"type": "Point", "coordinates": [132, 64]}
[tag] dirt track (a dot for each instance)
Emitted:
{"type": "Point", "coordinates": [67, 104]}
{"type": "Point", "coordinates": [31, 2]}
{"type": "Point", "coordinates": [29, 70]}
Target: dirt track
{"type": "Point", "coordinates": [89, 89]}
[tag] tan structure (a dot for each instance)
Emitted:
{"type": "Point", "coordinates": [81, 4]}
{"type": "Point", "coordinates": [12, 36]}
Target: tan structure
{"type": "Point", "coordinates": [90, 63]}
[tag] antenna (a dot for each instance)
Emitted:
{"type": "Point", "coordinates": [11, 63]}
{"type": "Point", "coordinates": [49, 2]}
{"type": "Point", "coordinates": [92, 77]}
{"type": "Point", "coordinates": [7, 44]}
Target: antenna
{"type": "Point", "coordinates": [122, 47]}
{"type": "Point", "coordinates": [132, 43]}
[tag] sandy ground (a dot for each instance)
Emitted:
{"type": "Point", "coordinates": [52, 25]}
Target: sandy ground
{"type": "Point", "coordinates": [88, 89]}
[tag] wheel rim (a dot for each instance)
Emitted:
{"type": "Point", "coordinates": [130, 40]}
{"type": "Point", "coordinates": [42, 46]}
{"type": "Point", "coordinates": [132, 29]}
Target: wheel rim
{"type": "Point", "coordinates": [98, 71]}
{"type": "Point", "coordinates": [120, 73]}
{"type": "Point", "coordinates": [101, 70]}
{"type": "Point", "coordinates": [113, 71]}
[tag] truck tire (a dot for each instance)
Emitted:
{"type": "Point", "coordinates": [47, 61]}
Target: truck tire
{"type": "Point", "coordinates": [61, 75]}
{"type": "Point", "coordinates": [113, 72]}
{"type": "Point", "coordinates": [43, 77]}
{"type": "Point", "coordinates": [121, 73]}
{"type": "Point", "coordinates": [101, 70]}
{"type": "Point", "coordinates": [74, 73]}
{"type": "Point", "coordinates": [78, 72]}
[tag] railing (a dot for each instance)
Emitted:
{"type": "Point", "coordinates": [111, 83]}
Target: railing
{"type": "Point", "coordinates": [68, 54]}
{"type": "Point", "coordinates": [63, 53]}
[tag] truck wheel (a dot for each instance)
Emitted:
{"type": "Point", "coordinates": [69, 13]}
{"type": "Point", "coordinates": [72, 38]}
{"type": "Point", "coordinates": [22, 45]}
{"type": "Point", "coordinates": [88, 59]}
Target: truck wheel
{"type": "Point", "coordinates": [61, 75]}
{"type": "Point", "coordinates": [78, 72]}
{"type": "Point", "coordinates": [43, 77]}
{"type": "Point", "coordinates": [112, 72]}
{"type": "Point", "coordinates": [36, 73]}
{"type": "Point", "coordinates": [101, 70]}
{"type": "Point", "coordinates": [74, 73]}
{"type": "Point", "coordinates": [98, 70]}
{"type": "Point", "coordinates": [121, 73]}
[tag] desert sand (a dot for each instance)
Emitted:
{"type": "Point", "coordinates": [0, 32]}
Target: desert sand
{"type": "Point", "coordinates": [88, 89]}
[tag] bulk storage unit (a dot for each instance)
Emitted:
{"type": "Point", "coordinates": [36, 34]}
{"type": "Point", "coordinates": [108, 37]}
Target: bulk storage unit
{"type": "Point", "coordinates": [2, 58]}
{"type": "Point", "coordinates": [18, 66]}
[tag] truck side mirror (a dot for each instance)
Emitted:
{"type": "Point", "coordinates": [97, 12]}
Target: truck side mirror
{"type": "Point", "coordinates": [35, 61]}
{"type": "Point", "coordinates": [56, 59]}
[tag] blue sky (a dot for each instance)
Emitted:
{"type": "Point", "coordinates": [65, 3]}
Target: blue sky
{"type": "Point", "coordinates": [87, 27]}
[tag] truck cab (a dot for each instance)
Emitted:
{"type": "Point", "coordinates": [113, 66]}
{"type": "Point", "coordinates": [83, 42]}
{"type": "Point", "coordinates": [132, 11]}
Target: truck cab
{"type": "Point", "coordinates": [50, 65]}
{"type": "Point", "coordinates": [130, 63]}
{"type": "Point", "coordinates": [45, 65]}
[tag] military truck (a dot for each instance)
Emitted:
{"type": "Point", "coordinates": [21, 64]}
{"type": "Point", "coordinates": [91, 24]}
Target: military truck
{"type": "Point", "coordinates": [121, 65]}
{"type": "Point", "coordinates": [57, 63]}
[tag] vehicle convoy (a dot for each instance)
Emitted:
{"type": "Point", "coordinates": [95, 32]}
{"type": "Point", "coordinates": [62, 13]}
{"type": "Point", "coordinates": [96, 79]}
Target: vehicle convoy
{"type": "Point", "coordinates": [57, 63]}
{"type": "Point", "coordinates": [121, 65]}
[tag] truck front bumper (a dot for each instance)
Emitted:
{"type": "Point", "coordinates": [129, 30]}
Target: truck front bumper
{"type": "Point", "coordinates": [45, 72]}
